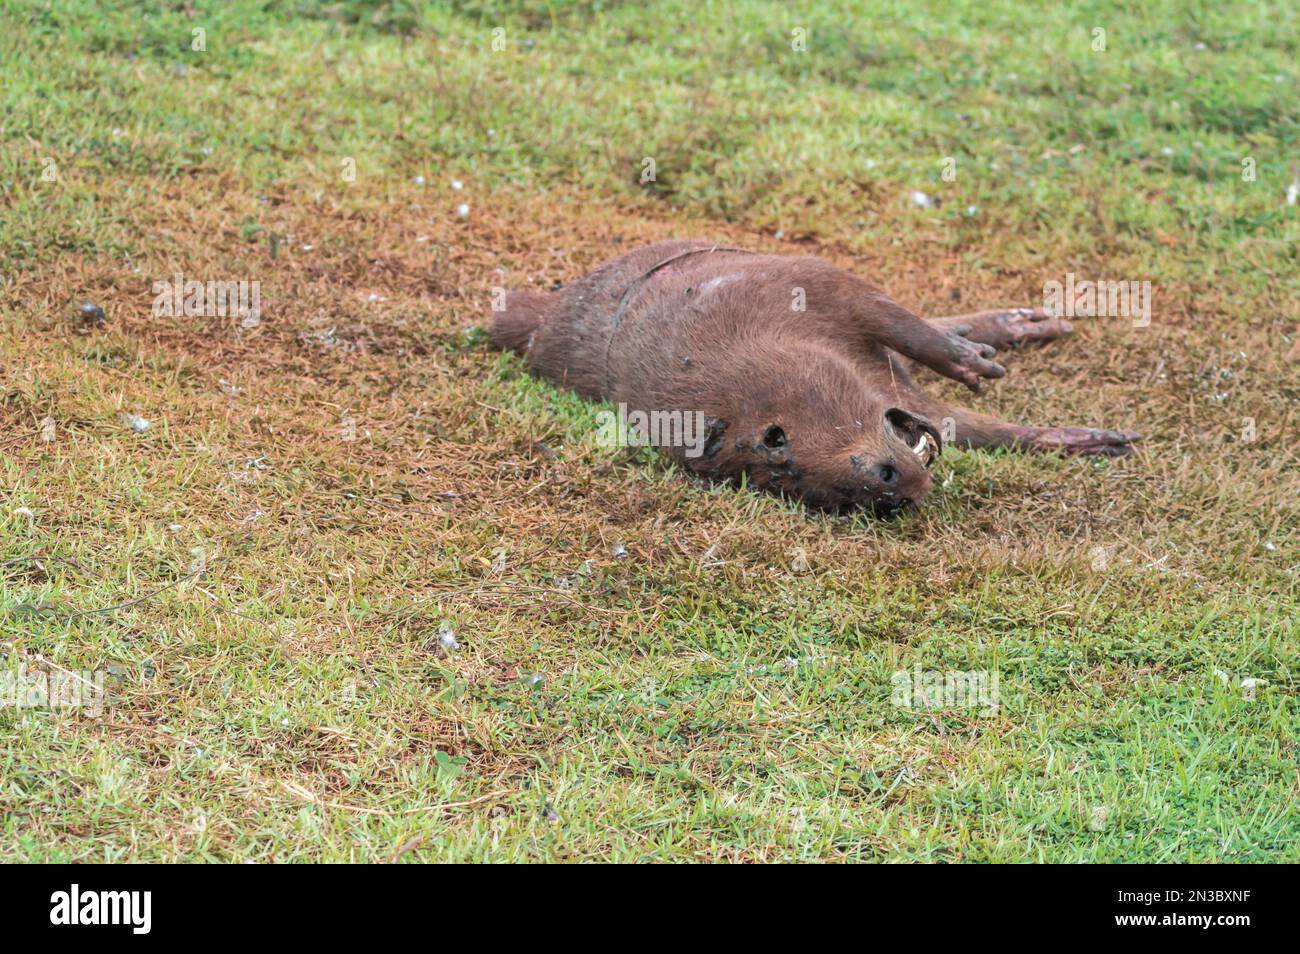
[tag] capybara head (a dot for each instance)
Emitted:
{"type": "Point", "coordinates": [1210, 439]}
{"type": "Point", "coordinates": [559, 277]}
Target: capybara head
{"type": "Point", "coordinates": [812, 430]}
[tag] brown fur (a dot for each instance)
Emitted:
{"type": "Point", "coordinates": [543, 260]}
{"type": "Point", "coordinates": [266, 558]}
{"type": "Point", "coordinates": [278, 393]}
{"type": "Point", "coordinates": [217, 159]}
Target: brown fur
{"type": "Point", "coordinates": [812, 403]}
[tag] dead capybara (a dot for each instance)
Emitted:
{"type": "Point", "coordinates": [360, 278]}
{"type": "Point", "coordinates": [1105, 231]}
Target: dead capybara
{"type": "Point", "coordinates": [793, 365]}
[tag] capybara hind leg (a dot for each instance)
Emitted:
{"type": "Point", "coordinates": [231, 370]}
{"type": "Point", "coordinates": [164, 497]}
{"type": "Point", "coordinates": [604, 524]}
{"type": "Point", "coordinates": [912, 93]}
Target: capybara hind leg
{"type": "Point", "coordinates": [1004, 328]}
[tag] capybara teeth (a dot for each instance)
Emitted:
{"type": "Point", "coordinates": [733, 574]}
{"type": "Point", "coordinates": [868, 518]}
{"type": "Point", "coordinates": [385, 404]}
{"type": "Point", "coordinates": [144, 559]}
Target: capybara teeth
{"type": "Point", "coordinates": [926, 449]}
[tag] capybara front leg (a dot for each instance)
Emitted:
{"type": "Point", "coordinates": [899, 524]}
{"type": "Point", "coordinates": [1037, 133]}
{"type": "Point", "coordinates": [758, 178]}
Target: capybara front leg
{"type": "Point", "coordinates": [971, 430]}
{"type": "Point", "coordinates": [866, 315]}
{"type": "Point", "coordinates": [951, 355]}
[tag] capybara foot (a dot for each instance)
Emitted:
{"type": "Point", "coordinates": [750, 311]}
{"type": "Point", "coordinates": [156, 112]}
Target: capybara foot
{"type": "Point", "coordinates": [968, 361]}
{"type": "Point", "coordinates": [1081, 440]}
{"type": "Point", "coordinates": [1008, 327]}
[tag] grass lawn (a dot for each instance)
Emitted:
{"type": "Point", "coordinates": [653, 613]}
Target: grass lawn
{"type": "Point", "coordinates": [269, 576]}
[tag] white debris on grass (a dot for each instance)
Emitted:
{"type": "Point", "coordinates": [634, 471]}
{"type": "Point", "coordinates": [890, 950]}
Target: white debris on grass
{"type": "Point", "coordinates": [135, 422]}
{"type": "Point", "coordinates": [447, 638]}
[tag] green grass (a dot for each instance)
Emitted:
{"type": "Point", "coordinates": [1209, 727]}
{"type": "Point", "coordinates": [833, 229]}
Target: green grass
{"type": "Point", "coordinates": [704, 696]}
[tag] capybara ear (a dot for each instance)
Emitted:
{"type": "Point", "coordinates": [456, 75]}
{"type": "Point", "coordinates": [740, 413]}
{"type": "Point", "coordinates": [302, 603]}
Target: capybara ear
{"type": "Point", "coordinates": [516, 315]}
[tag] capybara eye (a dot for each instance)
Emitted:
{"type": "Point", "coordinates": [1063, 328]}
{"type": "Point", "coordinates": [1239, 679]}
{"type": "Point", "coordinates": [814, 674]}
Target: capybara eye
{"type": "Point", "coordinates": [774, 437]}
{"type": "Point", "coordinates": [887, 474]}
